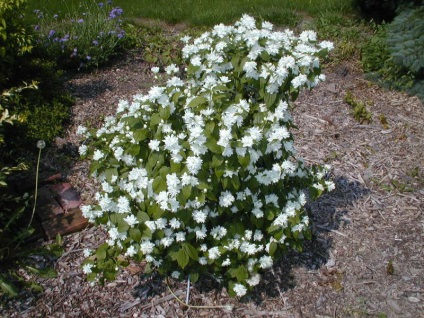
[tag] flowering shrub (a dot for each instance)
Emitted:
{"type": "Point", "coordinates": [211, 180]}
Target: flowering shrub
{"type": "Point", "coordinates": [200, 175]}
{"type": "Point", "coordinates": [82, 40]}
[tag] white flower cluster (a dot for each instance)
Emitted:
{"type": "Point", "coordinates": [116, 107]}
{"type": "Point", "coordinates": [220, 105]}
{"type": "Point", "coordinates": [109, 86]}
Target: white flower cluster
{"type": "Point", "coordinates": [207, 164]}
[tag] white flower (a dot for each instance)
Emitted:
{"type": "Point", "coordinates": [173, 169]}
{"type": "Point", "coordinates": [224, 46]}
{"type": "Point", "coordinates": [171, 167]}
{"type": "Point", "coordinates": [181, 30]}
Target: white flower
{"type": "Point", "coordinates": [155, 69]}
{"type": "Point", "coordinates": [330, 185]}
{"type": "Point", "coordinates": [299, 80]}
{"type": "Point", "coordinates": [131, 251]}
{"type": "Point", "coordinates": [227, 262]}
{"type": "Point", "coordinates": [200, 216]}
{"type": "Point", "coordinates": [166, 241]}
{"type": "Point", "coordinates": [240, 289]}
{"type": "Point", "coordinates": [265, 262]}
{"type": "Point", "coordinates": [226, 199]}
{"type": "Point", "coordinates": [86, 268]}
{"type": "Point", "coordinates": [180, 236]}
{"type": "Point", "coordinates": [146, 247]}
{"type": "Point", "coordinates": [174, 223]}
{"type": "Point", "coordinates": [98, 155]}
{"type": "Point", "coordinates": [194, 164]}
{"type": "Point", "coordinates": [327, 45]}
{"type": "Point", "coordinates": [254, 280]}
{"type": "Point", "coordinates": [203, 261]}
{"type": "Point", "coordinates": [87, 252]}
{"type": "Point", "coordinates": [123, 205]}
{"type": "Point", "coordinates": [218, 232]}
{"type": "Point", "coordinates": [161, 223]}
{"type": "Point", "coordinates": [81, 130]}
{"type": "Point", "coordinates": [214, 253]}
{"type": "Point", "coordinates": [201, 233]}
{"type": "Point", "coordinates": [82, 150]}
{"type": "Point", "coordinates": [175, 274]}
{"type": "Point", "coordinates": [154, 145]}
{"type": "Point", "coordinates": [131, 220]}
{"type": "Point", "coordinates": [170, 69]}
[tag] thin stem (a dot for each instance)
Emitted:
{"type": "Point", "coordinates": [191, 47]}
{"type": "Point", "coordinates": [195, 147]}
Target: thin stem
{"type": "Point", "coordinates": [227, 307]}
{"type": "Point", "coordinates": [36, 187]}
{"type": "Point", "coordinates": [188, 289]}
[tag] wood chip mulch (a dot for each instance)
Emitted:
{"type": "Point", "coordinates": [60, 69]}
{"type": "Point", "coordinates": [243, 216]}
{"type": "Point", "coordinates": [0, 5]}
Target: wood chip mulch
{"type": "Point", "coordinates": [367, 256]}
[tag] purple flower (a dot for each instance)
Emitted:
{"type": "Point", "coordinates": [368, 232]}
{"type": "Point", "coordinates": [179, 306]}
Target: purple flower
{"type": "Point", "coordinates": [121, 34]}
{"type": "Point", "coordinates": [88, 57]}
{"type": "Point", "coordinates": [51, 33]}
{"type": "Point", "coordinates": [95, 43]}
{"type": "Point", "coordinates": [37, 28]}
{"type": "Point", "coordinates": [116, 12]}
{"type": "Point", "coordinates": [80, 21]}
{"type": "Point", "coordinates": [109, 1]}
{"type": "Point", "coordinates": [101, 4]}
{"type": "Point", "coordinates": [55, 16]}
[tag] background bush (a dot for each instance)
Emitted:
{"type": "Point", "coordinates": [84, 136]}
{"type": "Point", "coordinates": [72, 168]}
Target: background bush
{"type": "Point", "coordinates": [393, 55]}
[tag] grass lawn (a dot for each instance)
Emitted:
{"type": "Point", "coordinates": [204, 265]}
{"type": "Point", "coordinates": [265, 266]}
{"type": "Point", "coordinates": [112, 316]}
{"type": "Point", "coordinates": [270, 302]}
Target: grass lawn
{"type": "Point", "coordinates": [211, 12]}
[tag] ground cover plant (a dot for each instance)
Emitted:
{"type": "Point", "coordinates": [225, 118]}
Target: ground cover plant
{"type": "Point", "coordinates": [80, 37]}
{"type": "Point", "coordinates": [200, 176]}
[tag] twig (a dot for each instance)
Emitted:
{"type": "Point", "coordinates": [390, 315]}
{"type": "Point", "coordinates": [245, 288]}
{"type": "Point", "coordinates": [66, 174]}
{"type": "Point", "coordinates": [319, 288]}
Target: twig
{"type": "Point", "coordinates": [334, 231]}
{"type": "Point", "coordinates": [127, 305]}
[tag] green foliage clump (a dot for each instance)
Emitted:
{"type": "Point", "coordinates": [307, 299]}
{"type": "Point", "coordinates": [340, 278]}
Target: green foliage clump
{"type": "Point", "coordinates": [15, 37]}
{"type": "Point", "coordinates": [405, 40]}
{"type": "Point", "coordinates": [81, 40]}
{"type": "Point", "coordinates": [382, 10]}
{"type": "Point", "coordinates": [359, 109]}
{"type": "Point", "coordinates": [393, 55]}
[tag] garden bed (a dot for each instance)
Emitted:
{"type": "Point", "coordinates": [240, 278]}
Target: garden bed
{"type": "Point", "coordinates": [366, 258]}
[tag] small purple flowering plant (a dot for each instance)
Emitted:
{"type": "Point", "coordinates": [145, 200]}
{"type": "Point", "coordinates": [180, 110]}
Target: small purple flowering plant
{"type": "Point", "coordinates": [81, 39]}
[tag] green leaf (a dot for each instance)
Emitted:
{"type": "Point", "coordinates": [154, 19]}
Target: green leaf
{"type": "Point", "coordinates": [244, 161]}
{"type": "Point", "coordinates": [235, 181]}
{"type": "Point", "coordinates": [101, 252]}
{"type": "Point", "coordinates": [155, 119]}
{"type": "Point", "coordinates": [110, 173]}
{"type": "Point", "coordinates": [212, 145]}
{"type": "Point", "coordinates": [8, 288]}
{"type": "Point", "coordinates": [140, 134]}
{"type": "Point", "coordinates": [133, 150]}
{"type": "Point", "coordinates": [164, 112]}
{"type": "Point", "coordinates": [186, 191]}
{"type": "Point", "coordinates": [142, 216]}
{"type": "Point", "coordinates": [270, 99]}
{"type": "Point", "coordinates": [194, 277]}
{"type": "Point", "coordinates": [123, 226]}
{"type": "Point", "coordinates": [191, 251]}
{"type": "Point", "coordinates": [47, 272]}
{"type": "Point", "coordinates": [217, 160]}
{"type": "Point", "coordinates": [134, 234]}
{"type": "Point", "coordinates": [159, 184]}
{"type": "Point", "coordinates": [272, 248]}
{"type": "Point", "coordinates": [199, 100]}
{"type": "Point", "coordinates": [182, 257]}
{"type": "Point", "coordinates": [240, 273]}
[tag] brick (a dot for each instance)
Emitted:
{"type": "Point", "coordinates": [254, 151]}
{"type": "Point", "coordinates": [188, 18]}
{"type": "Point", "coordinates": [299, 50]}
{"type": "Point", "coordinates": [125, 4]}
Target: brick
{"type": "Point", "coordinates": [67, 223]}
{"type": "Point", "coordinates": [66, 195]}
{"type": "Point", "coordinates": [47, 207]}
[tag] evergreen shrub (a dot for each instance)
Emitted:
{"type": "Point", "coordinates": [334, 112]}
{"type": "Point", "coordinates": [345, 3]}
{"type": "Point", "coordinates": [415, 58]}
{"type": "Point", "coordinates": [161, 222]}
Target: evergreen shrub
{"type": "Point", "coordinates": [200, 175]}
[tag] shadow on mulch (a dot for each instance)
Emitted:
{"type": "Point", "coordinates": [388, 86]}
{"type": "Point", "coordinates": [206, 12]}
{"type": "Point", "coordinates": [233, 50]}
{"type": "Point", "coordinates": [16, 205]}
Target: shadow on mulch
{"type": "Point", "coordinates": [327, 213]}
{"type": "Point", "coordinates": [89, 90]}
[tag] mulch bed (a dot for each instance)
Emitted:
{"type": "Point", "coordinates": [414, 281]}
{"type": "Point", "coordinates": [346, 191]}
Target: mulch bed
{"type": "Point", "coordinates": [366, 258]}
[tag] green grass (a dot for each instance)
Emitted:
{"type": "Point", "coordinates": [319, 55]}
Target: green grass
{"type": "Point", "coordinates": [211, 12]}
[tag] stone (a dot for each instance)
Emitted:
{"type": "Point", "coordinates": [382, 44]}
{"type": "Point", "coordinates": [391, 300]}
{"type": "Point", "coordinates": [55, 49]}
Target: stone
{"type": "Point", "coordinates": [66, 223]}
